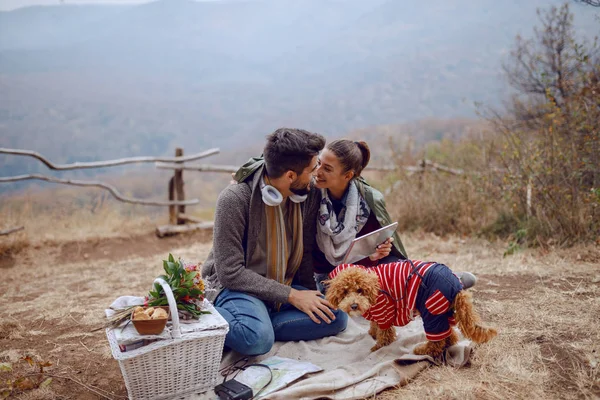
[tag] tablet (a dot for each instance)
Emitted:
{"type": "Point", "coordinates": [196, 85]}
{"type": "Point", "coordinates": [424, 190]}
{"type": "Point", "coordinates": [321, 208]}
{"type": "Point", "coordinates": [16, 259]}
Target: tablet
{"type": "Point", "coordinates": [365, 245]}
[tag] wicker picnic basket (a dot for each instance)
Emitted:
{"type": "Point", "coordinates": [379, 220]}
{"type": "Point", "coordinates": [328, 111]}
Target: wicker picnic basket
{"type": "Point", "coordinates": [171, 368]}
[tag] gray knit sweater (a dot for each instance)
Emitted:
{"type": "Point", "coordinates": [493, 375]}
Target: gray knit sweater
{"type": "Point", "coordinates": [238, 219]}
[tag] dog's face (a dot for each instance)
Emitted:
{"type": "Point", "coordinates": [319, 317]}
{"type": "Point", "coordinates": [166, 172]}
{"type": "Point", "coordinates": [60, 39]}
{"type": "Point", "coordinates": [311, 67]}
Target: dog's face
{"type": "Point", "coordinates": [353, 290]}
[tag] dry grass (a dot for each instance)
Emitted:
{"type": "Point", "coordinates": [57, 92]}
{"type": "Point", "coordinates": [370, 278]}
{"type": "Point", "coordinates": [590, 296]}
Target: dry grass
{"type": "Point", "coordinates": [54, 305]}
{"type": "Point", "coordinates": [546, 337]}
{"type": "Point", "coordinates": [545, 306]}
{"type": "Point", "coordinates": [544, 302]}
{"type": "Point", "coordinates": [442, 203]}
{"type": "Point", "coordinates": [13, 244]}
{"type": "Point", "coordinates": [66, 213]}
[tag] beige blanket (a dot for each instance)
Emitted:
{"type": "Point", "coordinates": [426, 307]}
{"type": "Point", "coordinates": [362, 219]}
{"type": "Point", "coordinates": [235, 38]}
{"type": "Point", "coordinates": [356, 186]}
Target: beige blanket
{"type": "Point", "coordinates": [350, 369]}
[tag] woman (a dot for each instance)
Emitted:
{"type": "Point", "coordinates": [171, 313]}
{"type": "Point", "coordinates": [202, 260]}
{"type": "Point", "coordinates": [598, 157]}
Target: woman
{"type": "Point", "coordinates": [349, 207]}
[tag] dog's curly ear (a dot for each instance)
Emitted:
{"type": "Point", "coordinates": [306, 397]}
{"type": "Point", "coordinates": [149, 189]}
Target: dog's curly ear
{"type": "Point", "coordinates": [372, 288]}
{"type": "Point", "coordinates": [331, 295]}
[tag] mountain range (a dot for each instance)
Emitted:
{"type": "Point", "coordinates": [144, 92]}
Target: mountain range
{"type": "Point", "coordinates": [93, 82]}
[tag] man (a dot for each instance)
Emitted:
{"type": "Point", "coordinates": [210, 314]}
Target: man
{"type": "Point", "coordinates": [262, 249]}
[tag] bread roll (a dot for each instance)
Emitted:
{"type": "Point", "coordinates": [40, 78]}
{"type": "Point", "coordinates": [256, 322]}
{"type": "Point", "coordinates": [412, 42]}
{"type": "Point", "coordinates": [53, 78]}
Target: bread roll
{"type": "Point", "coordinates": [141, 316]}
{"type": "Point", "coordinates": [138, 310]}
{"type": "Point", "coordinates": [159, 313]}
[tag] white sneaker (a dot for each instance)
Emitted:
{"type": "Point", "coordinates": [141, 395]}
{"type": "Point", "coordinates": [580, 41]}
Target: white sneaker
{"type": "Point", "coordinates": [467, 279]}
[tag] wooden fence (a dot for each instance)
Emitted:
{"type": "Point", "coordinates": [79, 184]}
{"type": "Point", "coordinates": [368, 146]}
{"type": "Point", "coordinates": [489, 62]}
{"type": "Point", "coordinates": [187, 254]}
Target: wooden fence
{"type": "Point", "coordinates": [176, 203]}
{"type": "Point", "coordinates": [179, 221]}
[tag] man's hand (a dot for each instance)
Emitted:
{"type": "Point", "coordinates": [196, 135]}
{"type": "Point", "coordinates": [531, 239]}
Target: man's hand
{"type": "Point", "coordinates": [383, 250]}
{"type": "Point", "coordinates": [310, 303]}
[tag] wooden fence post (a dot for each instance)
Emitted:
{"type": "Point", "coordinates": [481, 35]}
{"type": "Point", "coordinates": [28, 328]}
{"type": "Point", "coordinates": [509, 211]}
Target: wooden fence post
{"type": "Point", "coordinates": [176, 191]}
{"type": "Point", "coordinates": [178, 182]}
{"type": "Point", "coordinates": [423, 165]}
{"type": "Point", "coordinates": [172, 209]}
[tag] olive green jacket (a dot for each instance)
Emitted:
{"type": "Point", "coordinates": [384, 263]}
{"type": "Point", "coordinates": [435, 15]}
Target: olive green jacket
{"type": "Point", "coordinates": [372, 196]}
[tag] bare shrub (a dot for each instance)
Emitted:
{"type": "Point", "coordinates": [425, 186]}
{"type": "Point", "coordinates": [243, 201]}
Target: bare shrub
{"type": "Point", "coordinates": [445, 203]}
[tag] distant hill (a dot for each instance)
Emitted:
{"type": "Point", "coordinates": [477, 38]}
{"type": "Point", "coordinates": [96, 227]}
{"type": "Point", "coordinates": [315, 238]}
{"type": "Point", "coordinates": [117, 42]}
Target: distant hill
{"type": "Point", "coordinates": [100, 82]}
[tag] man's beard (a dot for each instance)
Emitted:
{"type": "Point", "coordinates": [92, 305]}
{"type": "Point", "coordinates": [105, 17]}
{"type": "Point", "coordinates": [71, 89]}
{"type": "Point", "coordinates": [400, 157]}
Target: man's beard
{"type": "Point", "coordinates": [300, 190]}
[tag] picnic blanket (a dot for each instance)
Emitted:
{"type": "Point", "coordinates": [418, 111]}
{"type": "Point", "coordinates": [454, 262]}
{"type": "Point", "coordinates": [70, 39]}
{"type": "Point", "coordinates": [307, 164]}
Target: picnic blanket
{"type": "Point", "coordinates": [350, 369]}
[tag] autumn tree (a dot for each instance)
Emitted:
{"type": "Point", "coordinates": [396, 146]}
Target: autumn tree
{"type": "Point", "coordinates": [551, 131]}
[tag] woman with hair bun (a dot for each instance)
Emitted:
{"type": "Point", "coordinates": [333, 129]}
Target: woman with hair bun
{"type": "Point", "coordinates": [349, 208]}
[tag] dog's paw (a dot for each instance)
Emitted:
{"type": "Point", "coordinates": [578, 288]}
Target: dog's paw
{"type": "Point", "coordinates": [376, 347]}
{"type": "Point", "coordinates": [421, 350]}
{"type": "Point", "coordinates": [433, 349]}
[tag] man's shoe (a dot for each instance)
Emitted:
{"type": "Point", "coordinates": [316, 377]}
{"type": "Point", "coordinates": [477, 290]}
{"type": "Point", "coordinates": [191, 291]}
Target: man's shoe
{"type": "Point", "coordinates": [467, 279]}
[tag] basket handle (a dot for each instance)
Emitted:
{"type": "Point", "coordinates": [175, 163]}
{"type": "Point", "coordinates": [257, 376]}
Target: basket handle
{"type": "Point", "coordinates": [172, 307]}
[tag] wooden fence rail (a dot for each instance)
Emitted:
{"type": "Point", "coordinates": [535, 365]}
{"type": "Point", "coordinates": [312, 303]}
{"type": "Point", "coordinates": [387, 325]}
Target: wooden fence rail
{"type": "Point", "coordinates": [176, 203]}
{"type": "Point", "coordinates": [179, 221]}
{"type": "Point", "coordinates": [198, 167]}
{"type": "Point", "coordinates": [101, 164]}
{"type": "Point", "coordinates": [110, 163]}
{"type": "Point", "coordinates": [99, 184]}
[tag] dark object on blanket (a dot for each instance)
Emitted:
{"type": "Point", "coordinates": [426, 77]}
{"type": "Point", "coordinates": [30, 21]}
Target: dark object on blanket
{"type": "Point", "coordinates": [233, 390]}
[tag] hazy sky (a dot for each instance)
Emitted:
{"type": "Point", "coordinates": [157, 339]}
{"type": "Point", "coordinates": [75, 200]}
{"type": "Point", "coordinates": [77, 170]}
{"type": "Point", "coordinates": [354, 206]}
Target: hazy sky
{"type": "Point", "coordinates": [12, 4]}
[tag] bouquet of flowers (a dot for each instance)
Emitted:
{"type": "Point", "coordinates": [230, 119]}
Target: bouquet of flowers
{"type": "Point", "coordinates": [187, 285]}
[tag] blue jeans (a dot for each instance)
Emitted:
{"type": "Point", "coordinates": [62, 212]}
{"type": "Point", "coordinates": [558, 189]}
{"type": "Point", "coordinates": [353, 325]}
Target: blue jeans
{"type": "Point", "coordinates": [253, 327]}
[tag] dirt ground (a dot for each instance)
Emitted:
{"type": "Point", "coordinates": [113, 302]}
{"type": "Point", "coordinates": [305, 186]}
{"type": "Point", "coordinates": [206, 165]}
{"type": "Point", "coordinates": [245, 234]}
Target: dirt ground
{"type": "Point", "coordinates": [546, 306]}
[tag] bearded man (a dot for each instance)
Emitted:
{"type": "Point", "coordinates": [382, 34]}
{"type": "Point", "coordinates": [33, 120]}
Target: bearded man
{"type": "Point", "coordinates": [261, 261]}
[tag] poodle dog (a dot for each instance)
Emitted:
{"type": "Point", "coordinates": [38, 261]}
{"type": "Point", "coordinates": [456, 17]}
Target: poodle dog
{"type": "Point", "coordinates": [389, 294]}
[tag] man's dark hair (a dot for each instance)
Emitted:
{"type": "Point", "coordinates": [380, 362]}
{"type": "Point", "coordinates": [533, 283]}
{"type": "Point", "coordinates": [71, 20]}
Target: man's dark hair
{"type": "Point", "coordinates": [291, 149]}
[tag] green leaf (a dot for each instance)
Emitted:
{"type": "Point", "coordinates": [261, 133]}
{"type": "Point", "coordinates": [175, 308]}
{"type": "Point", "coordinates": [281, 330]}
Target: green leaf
{"type": "Point", "coordinates": [159, 302]}
{"type": "Point", "coordinates": [171, 258]}
{"type": "Point", "coordinates": [5, 367]}
{"type": "Point", "coordinates": [172, 267]}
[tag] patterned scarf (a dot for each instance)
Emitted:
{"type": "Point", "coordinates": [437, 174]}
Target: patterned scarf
{"type": "Point", "coordinates": [336, 232]}
{"type": "Point", "coordinates": [282, 263]}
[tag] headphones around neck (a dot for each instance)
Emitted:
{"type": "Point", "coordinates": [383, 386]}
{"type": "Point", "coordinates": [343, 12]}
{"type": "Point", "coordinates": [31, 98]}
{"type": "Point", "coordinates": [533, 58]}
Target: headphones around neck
{"type": "Point", "coordinates": [272, 197]}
